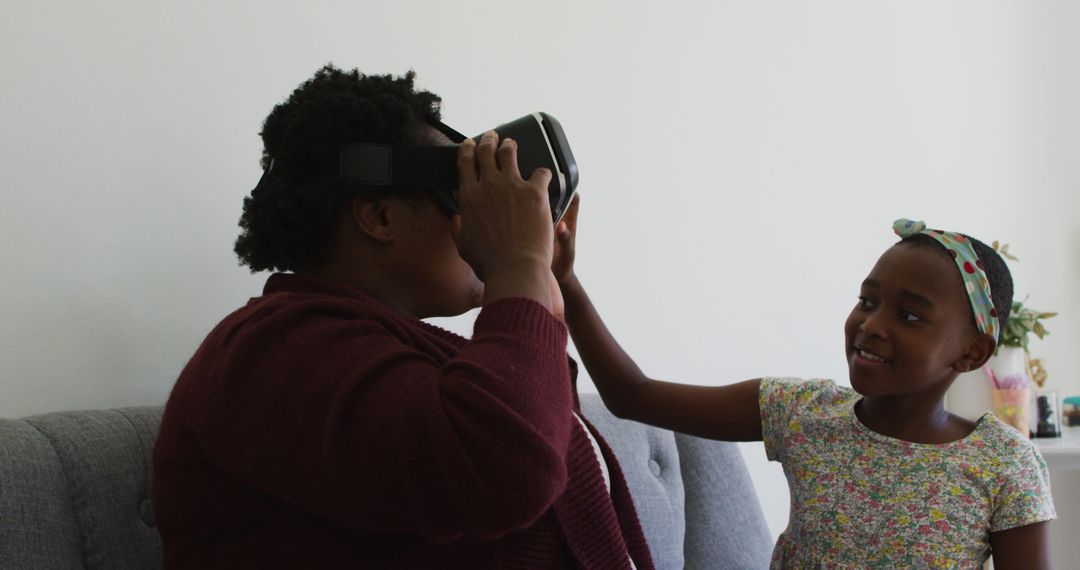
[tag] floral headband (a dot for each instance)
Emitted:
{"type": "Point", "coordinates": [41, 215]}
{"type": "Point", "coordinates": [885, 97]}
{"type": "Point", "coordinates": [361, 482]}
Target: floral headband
{"type": "Point", "coordinates": [970, 266]}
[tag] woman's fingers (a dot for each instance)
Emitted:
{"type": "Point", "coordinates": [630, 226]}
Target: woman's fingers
{"type": "Point", "coordinates": [507, 158]}
{"type": "Point", "coordinates": [466, 163]}
{"type": "Point", "coordinates": [485, 153]}
{"type": "Point", "coordinates": [541, 178]}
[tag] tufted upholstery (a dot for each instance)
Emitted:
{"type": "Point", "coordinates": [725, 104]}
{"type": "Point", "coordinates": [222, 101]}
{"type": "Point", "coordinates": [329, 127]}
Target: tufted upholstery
{"type": "Point", "coordinates": [74, 492]}
{"type": "Point", "coordinates": [694, 497]}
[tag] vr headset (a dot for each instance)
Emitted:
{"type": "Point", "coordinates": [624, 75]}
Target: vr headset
{"type": "Point", "coordinates": [541, 144]}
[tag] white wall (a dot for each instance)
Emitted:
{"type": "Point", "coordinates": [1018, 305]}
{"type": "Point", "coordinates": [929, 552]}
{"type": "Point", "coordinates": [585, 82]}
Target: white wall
{"type": "Point", "coordinates": [741, 165]}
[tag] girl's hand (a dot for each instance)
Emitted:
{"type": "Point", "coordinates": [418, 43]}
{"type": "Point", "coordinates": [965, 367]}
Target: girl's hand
{"type": "Point", "coordinates": [562, 261]}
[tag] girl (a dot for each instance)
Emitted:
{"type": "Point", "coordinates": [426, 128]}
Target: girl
{"type": "Point", "coordinates": [881, 475]}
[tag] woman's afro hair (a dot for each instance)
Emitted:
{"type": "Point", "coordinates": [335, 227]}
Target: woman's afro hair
{"type": "Point", "coordinates": [290, 218]}
{"type": "Point", "coordinates": [997, 273]}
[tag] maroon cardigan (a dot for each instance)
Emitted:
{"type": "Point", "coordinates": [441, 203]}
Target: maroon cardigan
{"type": "Point", "coordinates": [316, 428]}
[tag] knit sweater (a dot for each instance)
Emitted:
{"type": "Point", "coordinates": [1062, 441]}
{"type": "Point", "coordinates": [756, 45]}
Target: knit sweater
{"type": "Point", "coordinates": [317, 428]}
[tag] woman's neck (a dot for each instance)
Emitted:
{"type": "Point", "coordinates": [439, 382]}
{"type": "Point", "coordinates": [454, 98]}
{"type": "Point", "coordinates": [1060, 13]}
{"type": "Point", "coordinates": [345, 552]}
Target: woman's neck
{"type": "Point", "coordinates": [370, 283]}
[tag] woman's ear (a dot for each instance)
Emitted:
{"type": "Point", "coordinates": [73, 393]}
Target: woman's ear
{"type": "Point", "coordinates": [373, 219]}
{"type": "Point", "coordinates": [980, 350]}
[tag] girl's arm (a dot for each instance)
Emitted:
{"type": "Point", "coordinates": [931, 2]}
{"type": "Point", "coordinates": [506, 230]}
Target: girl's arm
{"type": "Point", "coordinates": [1022, 548]}
{"type": "Point", "coordinates": [717, 412]}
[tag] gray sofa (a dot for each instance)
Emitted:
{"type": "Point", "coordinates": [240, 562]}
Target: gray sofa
{"type": "Point", "coordinates": [75, 488]}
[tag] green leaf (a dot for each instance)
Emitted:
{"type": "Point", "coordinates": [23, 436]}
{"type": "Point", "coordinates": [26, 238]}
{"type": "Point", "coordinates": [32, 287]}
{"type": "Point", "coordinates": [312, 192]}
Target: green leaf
{"type": "Point", "coordinates": [1023, 320]}
{"type": "Point", "coordinates": [1038, 330]}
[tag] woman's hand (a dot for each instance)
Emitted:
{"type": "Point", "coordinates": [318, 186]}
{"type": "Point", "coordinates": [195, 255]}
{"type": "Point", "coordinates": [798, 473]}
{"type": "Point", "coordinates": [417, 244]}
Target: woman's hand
{"type": "Point", "coordinates": [504, 231]}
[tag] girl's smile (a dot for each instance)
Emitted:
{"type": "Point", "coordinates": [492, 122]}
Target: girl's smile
{"type": "Point", "coordinates": [864, 357]}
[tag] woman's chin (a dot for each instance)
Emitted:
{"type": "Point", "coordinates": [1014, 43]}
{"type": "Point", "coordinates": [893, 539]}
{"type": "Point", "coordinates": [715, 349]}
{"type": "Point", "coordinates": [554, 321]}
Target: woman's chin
{"type": "Point", "coordinates": [476, 297]}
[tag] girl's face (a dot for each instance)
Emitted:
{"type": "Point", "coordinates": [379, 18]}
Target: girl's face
{"type": "Point", "coordinates": [911, 331]}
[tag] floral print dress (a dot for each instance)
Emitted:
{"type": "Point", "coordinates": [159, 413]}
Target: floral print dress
{"type": "Point", "coordinates": [863, 500]}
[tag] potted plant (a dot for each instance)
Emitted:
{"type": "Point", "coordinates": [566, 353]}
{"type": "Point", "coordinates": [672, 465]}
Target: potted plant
{"type": "Point", "coordinates": [1011, 364]}
{"type": "Point", "coordinates": [1022, 322]}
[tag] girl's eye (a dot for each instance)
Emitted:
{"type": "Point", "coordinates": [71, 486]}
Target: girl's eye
{"type": "Point", "coordinates": [909, 316]}
{"type": "Point", "coordinates": [864, 303]}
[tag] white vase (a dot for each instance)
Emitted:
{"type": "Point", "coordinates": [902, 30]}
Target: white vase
{"type": "Point", "coordinates": [1009, 366]}
{"type": "Point", "coordinates": [972, 392]}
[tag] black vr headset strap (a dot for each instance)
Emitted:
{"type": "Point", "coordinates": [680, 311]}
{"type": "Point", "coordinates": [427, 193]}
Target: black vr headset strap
{"type": "Point", "coordinates": [451, 133]}
{"type": "Point", "coordinates": [415, 166]}
{"type": "Point", "coordinates": [380, 165]}
{"type": "Point", "coordinates": [408, 166]}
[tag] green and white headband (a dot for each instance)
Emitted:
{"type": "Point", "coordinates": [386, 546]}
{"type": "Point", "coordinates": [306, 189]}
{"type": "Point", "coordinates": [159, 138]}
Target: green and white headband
{"type": "Point", "coordinates": [970, 266]}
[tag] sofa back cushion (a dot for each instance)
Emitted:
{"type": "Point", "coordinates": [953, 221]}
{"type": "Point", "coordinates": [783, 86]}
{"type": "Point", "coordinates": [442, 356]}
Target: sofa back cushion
{"type": "Point", "coordinates": [650, 462]}
{"type": "Point", "coordinates": [85, 501]}
{"type": "Point", "coordinates": [37, 529]}
{"type": "Point", "coordinates": [725, 527]}
{"type": "Point", "coordinates": [695, 499]}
